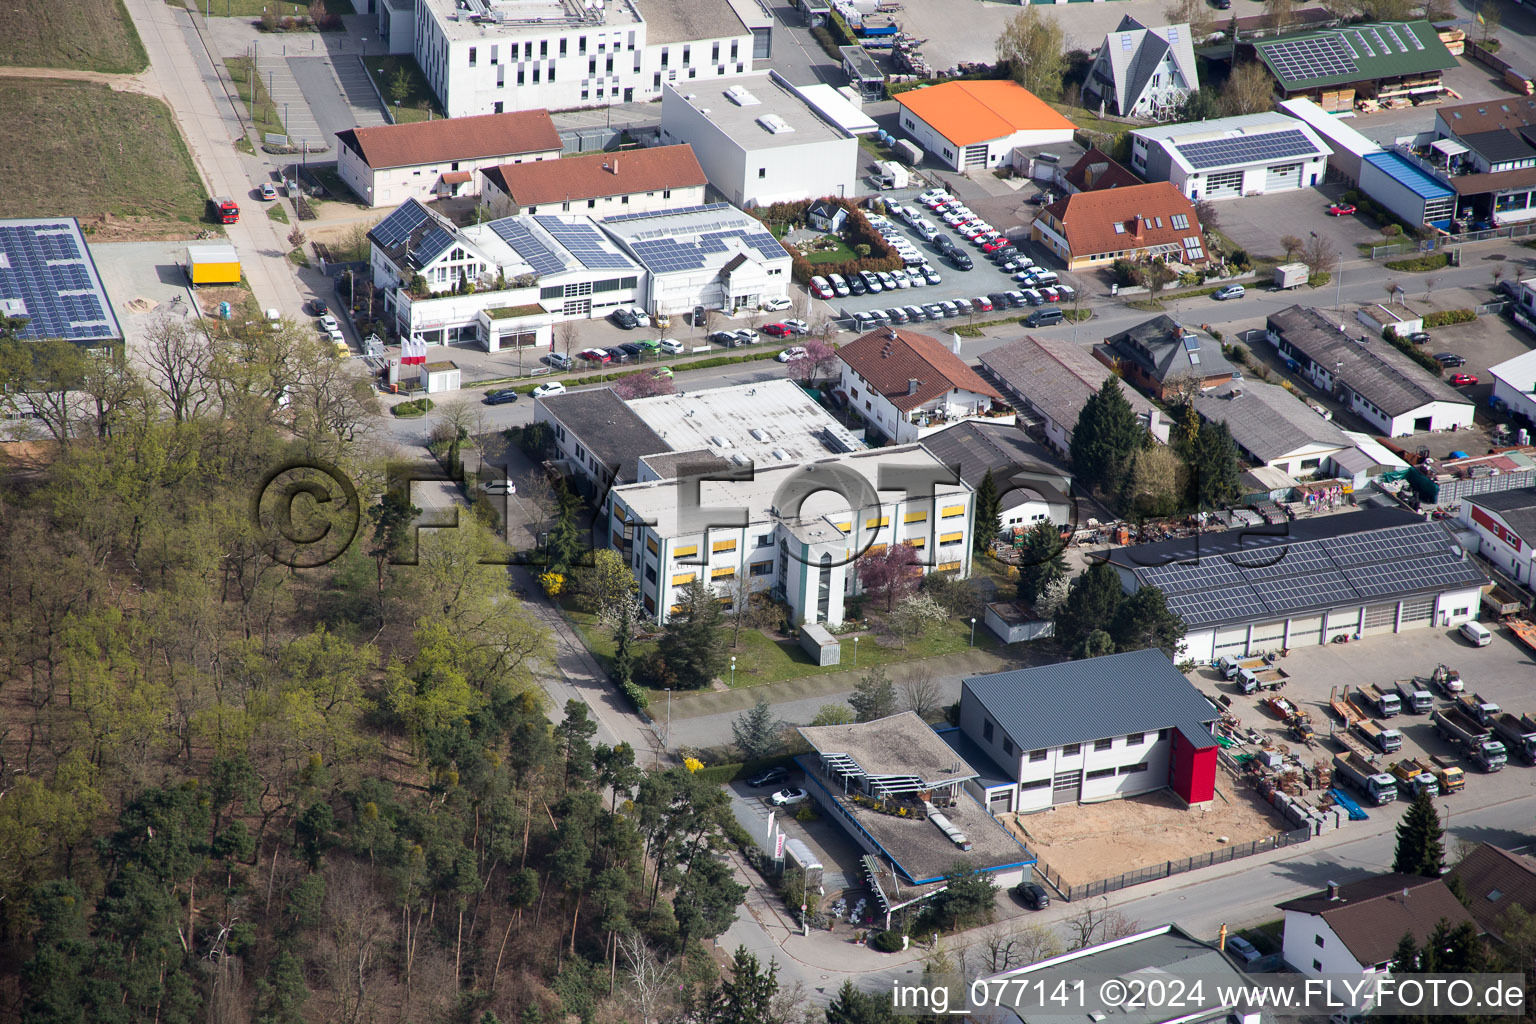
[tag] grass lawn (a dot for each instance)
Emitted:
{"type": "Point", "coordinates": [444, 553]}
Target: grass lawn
{"type": "Point", "coordinates": [262, 110]}
{"type": "Point", "coordinates": [417, 99]}
{"type": "Point", "coordinates": [841, 254]}
{"type": "Point", "coordinates": [89, 35]}
{"type": "Point", "coordinates": [83, 150]}
{"type": "Point", "coordinates": [253, 8]}
{"type": "Point", "coordinates": [276, 212]}
{"type": "Point", "coordinates": [1420, 264]}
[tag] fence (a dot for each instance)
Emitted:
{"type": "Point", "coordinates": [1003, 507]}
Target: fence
{"type": "Point", "coordinates": [1491, 308]}
{"type": "Point", "coordinates": [1172, 867]}
{"type": "Point", "coordinates": [1380, 252]}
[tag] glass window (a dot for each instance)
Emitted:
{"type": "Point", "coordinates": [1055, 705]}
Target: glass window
{"type": "Point", "coordinates": [1037, 755]}
{"type": "Point", "coordinates": [1071, 750]}
{"type": "Point", "coordinates": [1136, 739]}
{"type": "Point", "coordinates": [1103, 744]}
{"type": "Point", "coordinates": [1007, 745]}
{"type": "Point", "coordinates": [986, 729]}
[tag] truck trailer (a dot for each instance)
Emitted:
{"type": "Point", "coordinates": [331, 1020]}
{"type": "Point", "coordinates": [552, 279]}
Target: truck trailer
{"type": "Point", "coordinates": [1291, 275]}
{"type": "Point", "coordinates": [212, 264]}
{"type": "Point", "coordinates": [1380, 786]}
{"type": "Point", "coordinates": [1384, 740]}
{"type": "Point", "coordinates": [1415, 698]}
{"type": "Point", "coordinates": [1481, 711]}
{"type": "Point", "coordinates": [1384, 703]}
{"type": "Point", "coordinates": [1518, 733]}
{"type": "Point", "coordinates": [1474, 740]}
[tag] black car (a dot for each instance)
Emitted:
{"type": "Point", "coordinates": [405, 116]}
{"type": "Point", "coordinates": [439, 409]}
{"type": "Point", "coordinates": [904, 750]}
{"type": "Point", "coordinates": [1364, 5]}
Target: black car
{"type": "Point", "coordinates": [1003, 255]}
{"type": "Point", "coordinates": [943, 243]}
{"type": "Point", "coordinates": [856, 285]}
{"type": "Point", "coordinates": [1419, 337]}
{"type": "Point", "coordinates": [998, 299]}
{"type": "Point", "coordinates": [501, 396]}
{"type": "Point", "coordinates": [1222, 5]}
{"type": "Point", "coordinates": [318, 308]}
{"type": "Point", "coordinates": [1449, 359]}
{"type": "Point", "coordinates": [625, 319]}
{"type": "Point", "coordinates": [1044, 317]}
{"type": "Point", "coordinates": [960, 260]}
{"type": "Point", "coordinates": [630, 349]}
{"type": "Point", "coordinates": [1032, 896]}
{"type": "Point", "coordinates": [769, 777]}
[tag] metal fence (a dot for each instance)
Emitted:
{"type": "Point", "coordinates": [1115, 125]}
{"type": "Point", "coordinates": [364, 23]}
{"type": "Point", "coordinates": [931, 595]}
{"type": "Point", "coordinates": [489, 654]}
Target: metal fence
{"type": "Point", "coordinates": [1491, 308]}
{"type": "Point", "coordinates": [1172, 867]}
{"type": "Point", "coordinates": [1381, 252]}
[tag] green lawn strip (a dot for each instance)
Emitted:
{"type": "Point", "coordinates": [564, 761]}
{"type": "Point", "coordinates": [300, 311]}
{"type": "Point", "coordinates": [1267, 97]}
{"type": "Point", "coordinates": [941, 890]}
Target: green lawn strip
{"type": "Point", "coordinates": [259, 105]}
{"type": "Point", "coordinates": [254, 8]}
{"type": "Point", "coordinates": [418, 102]}
{"type": "Point", "coordinates": [88, 35]}
{"type": "Point", "coordinates": [90, 151]}
{"type": "Point", "coordinates": [1420, 264]}
{"type": "Point", "coordinates": [678, 362]}
{"type": "Point", "coordinates": [276, 212]}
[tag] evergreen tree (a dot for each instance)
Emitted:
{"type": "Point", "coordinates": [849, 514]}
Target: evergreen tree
{"type": "Point", "coordinates": [574, 735]}
{"type": "Point", "coordinates": [873, 696]}
{"type": "Point", "coordinates": [1096, 645]}
{"type": "Point", "coordinates": [564, 541]}
{"type": "Point", "coordinates": [1106, 434]}
{"type": "Point", "coordinates": [623, 646]}
{"type": "Point", "coordinates": [706, 899]}
{"type": "Point", "coordinates": [746, 997]}
{"type": "Point", "coordinates": [691, 643]}
{"type": "Point", "coordinates": [1406, 959]}
{"type": "Point", "coordinates": [1420, 839]}
{"type": "Point", "coordinates": [989, 515]}
{"type": "Point", "coordinates": [852, 1006]}
{"type": "Point", "coordinates": [968, 895]}
{"type": "Point", "coordinates": [1091, 604]}
{"type": "Point", "coordinates": [1041, 561]}
{"type": "Point", "coordinates": [1214, 468]}
{"type": "Point", "coordinates": [756, 731]}
{"type": "Point", "coordinates": [1145, 620]}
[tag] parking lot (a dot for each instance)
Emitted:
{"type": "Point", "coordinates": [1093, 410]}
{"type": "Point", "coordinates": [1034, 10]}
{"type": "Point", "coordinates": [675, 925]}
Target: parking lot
{"type": "Point", "coordinates": [1501, 673]}
{"type": "Point", "coordinates": [1486, 341]}
{"type": "Point", "coordinates": [1257, 222]}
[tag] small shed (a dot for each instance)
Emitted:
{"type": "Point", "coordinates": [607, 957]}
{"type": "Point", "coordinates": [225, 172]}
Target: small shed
{"type": "Point", "coordinates": [820, 644]}
{"type": "Point", "coordinates": [1012, 624]}
{"type": "Point", "coordinates": [825, 216]}
{"type": "Point", "coordinates": [439, 377]}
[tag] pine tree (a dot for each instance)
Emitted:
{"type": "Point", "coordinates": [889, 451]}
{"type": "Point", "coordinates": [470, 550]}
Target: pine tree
{"type": "Point", "coordinates": [756, 731]}
{"type": "Point", "coordinates": [1106, 434]}
{"type": "Point", "coordinates": [989, 515]}
{"type": "Point", "coordinates": [1091, 604]}
{"type": "Point", "coordinates": [852, 1006]}
{"type": "Point", "coordinates": [1420, 839]}
{"type": "Point", "coordinates": [1041, 561]}
{"type": "Point", "coordinates": [1406, 959]}
{"type": "Point", "coordinates": [692, 645]}
{"type": "Point", "coordinates": [623, 646]}
{"type": "Point", "coordinates": [747, 996]}
{"type": "Point", "coordinates": [1145, 620]}
{"type": "Point", "coordinates": [1213, 468]}
{"type": "Point", "coordinates": [873, 696]}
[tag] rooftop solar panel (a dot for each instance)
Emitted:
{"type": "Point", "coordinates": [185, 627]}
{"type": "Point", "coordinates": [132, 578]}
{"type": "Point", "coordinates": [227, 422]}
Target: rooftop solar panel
{"type": "Point", "coordinates": [47, 278]}
{"type": "Point", "coordinates": [397, 227]}
{"type": "Point", "coordinates": [1219, 605]}
{"type": "Point", "coordinates": [584, 242]}
{"type": "Point", "coordinates": [539, 256]}
{"type": "Point", "coordinates": [1319, 588]}
{"type": "Point", "coordinates": [1438, 570]}
{"type": "Point", "coordinates": [1244, 149]}
{"type": "Point", "coordinates": [1384, 545]}
{"type": "Point", "coordinates": [1276, 561]}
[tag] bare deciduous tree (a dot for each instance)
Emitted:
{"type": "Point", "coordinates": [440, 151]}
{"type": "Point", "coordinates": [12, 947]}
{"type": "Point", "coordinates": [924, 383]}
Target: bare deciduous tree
{"type": "Point", "coordinates": [920, 692]}
{"type": "Point", "coordinates": [651, 977]}
{"type": "Point", "coordinates": [1291, 246]}
{"type": "Point", "coordinates": [1004, 947]}
{"type": "Point", "coordinates": [179, 357]}
{"type": "Point", "coordinates": [1098, 922]}
{"type": "Point", "coordinates": [1320, 256]}
{"type": "Point", "coordinates": [567, 334]}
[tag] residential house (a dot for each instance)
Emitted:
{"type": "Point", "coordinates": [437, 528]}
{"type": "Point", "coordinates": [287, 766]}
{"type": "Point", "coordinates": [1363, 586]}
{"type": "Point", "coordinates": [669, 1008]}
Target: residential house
{"type": "Point", "coordinates": [1496, 881]}
{"type": "Point", "coordinates": [1095, 170]}
{"type": "Point", "coordinates": [1143, 72]}
{"type": "Point", "coordinates": [1166, 359]}
{"type": "Point", "coordinates": [596, 184]}
{"type": "Point", "coordinates": [1505, 524]}
{"type": "Point", "coordinates": [1137, 222]}
{"type": "Point", "coordinates": [1355, 928]}
{"type": "Point", "coordinates": [1032, 489]}
{"type": "Point", "coordinates": [825, 216]}
{"type": "Point", "coordinates": [906, 384]}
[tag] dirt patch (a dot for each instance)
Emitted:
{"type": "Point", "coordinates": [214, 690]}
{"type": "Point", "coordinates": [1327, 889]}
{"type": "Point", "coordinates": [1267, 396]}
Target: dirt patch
{"type": "Point", "coordinates": [1092, 841]}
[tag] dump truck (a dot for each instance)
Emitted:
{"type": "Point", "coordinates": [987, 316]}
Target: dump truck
{"type": "Point", "coordinates": [1481, 711]}
{"type": "Point", "coordinates": [1299, 721]}
{"type": "Point", "coordinates": [1475, 741]}
{"type": "Point", "coordinates": [1448, 773]}
{"type": "Point", "coordinates": [1338, 699]}
{"type": "Point", "coordinates": [212, 265]}
{"type": "Point", "coordinates": [1384, 740]}
{"type": "Point", "coordinates": [1231, 666]}
{"type": "Point", "coordinates": [1415, 698]}
{"type": "Point", "coordinates": [1414, 777]}
{"type": "Point", "coordinates": [1518, 733]}
{"type": "Point", "coordinates": [1368, 778]}
{"type": "Point", "coordinates": [223, 210]}
{"type": "Point", "coordinates": [1291, 275]}
{"type": "Point", "coordinates": [1447, 680]}
{"type": "Point", "coordinates": [1267, 678]}
{"type": "Point", "coordinates": [1500, 603]}
{"type": "Point", "coordinates": [1384, 702]}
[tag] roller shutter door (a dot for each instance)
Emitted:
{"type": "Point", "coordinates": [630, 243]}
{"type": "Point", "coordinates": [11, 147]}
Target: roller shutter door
{"type": "Point", "coordinates": [1223, 185]}
{"type": "Point", "coordinates": [1067, 788]}
{"type": "Point", "coordinates": [1380, 618]}
{"type": "Point", "coordinates": [1418, 611]}
{"type": "Point", "coordinates": [1267, 636]}
{"type": "Point", "coordinates": [1305, 632]}
{"type": "Point", "coordinates": [1343, 621]}
{"type": "Point", "coordinates": [1001, 803]}
{"type": "Point", "coordinates": [976, 156]}
{"type": "Point", "coordinates": [1278, 179]}
{"type": "Point", "coordinates": [1231, 641]}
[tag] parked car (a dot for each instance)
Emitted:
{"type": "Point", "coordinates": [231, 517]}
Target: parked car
{"type": "Point", "coordinates": [1067, 292]}
{"type": "Point", "coordinates": [1044, 317]}
{"type": "Point", "coordinates": [1419, 337]}
{"type": "Point", "coordinates": [1463, 380]}
{"type": "Point", "coordinates": [501, 396]}
{"type": "Point", "coordinates": [839, 285]}
{"type": "Point", "coordinates": [776, 304]}
{"type": "Point", "coordinates": [915, 314]}
{"type": "Point", "coordinates": [964, 306]}
{"type": "Point", "coordinates": [960, 260]}
{"type": "Point", "coordinates": [328, 324]}
{"type": "Point", "coordinates": [777, 330]}
{"type": "Point", "coordinates": [998, 299]}
{"type": "Point", "coordinates": [872, 281]}
{"type": "Point", "coordinates": [994, 245]}
{"type": "Point", "coordinates": [821, 288]}
{"type": "Point", "coordinates": [628, 350]}
{"type": "Point", "coordinates": [1228, 291]}
{"type": "Point", "coordinates": [791, 353]}
{"type": "Point", "coordinates": [595, 355]}
{"type": "Point", "coordinates": [788, 797]}
{"type": "Point", "coordinates": [887, 279]}
{"type": "Point", "coordinates": [931, 275]}
{"type": "Point", "coordinates": [746, 337]}
{"type": "Point", "coordinates": [671, 346]}
{"type": "Point", "coordinates": [857, 285]}
{"type": "Point", "coordinates": [769, 777]}
{"type": "Point", "coordinates": [625, 319]}
{"type": "Point", "coordinates": [650, 346]}
{"type": "Point", "coordinates": [641, 317]}
{"type": "Point", "coordinates": [273, 315]}
{"type": "Point", "coordinates": [1476, 634]}
{"type": "Point", "coordinates": [1033, 297]}
{"type": "Point", "coordinates": [1222, 5]}
{"type": "Point", "coordinates": [1341, 209]}
{"type": "Point", "coordinates": [499, 486]}
{"type": "Point", "coordinates": [1241, 947]}
{"type": "Point", "coordinates": [268, 190]}
{"type": "Point", "coordinates": [1017, 300]}
{"type": "Point", "coordinates": [982, 304]}
{"type": "Point", "coordinates": [949, 308]}
{"type": "Point", "coordinates": [1032, 895]}
{"type": "Point", "coordinates": [1450, 359]}
{"type": "Point", "coordinates": [553, 387]}
{"type": "Point", "coordinates": [317, 307]}
{"type": "Point", "coordinates": [559, 360]}
{"type": "Point", "coordinates": [1049, 293]}
{"type": "Point", "coordinates": [798, 326]}
{"type": "Point", "coordinates": [896, 315]}
{"type": "Point", "coordinates": [662, 373]}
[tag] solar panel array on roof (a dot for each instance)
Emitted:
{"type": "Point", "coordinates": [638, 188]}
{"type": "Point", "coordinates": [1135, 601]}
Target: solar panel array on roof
{"type": "Point", "coordinates": [397, 227]}
{"type": "Point", "coordinates": [1263, 579]}
{"type": "Point", "coordinates": [1242, 149]}
{"type": "Point", "coordinates": [584, 242]}
{"type": "Point", "coordinates": [538, 255]}
{"type": "Point", "coordinates": [665, 254]}
{"type": "Point", "coordinates": [1318, 57]}
{"type": "Point", "coordinates": [46, 276]}
{"type": "Point", "coordinates": [680, 212]}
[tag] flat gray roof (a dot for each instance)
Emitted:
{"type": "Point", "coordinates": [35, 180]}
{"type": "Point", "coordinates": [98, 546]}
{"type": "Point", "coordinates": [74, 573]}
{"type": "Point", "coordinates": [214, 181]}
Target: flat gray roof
{"type": "Point", "coordinates": [899, 746]}
{"type": "Point", "coordinates": [681, 21]}
{"type": "Point", "coordinates": [774, 96]}
{"type": "Point", "coordinates": [601, 421]}
{"type": "Point", "coordinates": [502, 19]}
{"type": "Point", "coordinates": [768, 422]}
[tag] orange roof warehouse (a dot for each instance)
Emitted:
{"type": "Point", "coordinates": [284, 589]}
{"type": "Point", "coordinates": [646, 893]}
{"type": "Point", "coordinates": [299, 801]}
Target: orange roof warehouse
{"type": "Point", "coordinates": [979, 123]}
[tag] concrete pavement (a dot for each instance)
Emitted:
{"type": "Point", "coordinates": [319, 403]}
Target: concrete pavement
{"type": "Point", "coordinates": [181, 71]}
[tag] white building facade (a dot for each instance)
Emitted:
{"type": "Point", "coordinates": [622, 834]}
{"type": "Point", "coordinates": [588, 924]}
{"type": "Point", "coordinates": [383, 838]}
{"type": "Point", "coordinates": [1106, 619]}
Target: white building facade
{"type": "Point", "coordinates": [1514, 380]}
{"type": "Point", "coordinates": [713, 256]}
{"type": "Point", "coordinates": [759, 141]}
{"type": "Point", "coordinates": [1253, 154]}
{"type": "Point", "coordinates": [1143, 72]}
{"type": "Point", "coordinates": [1505, 523]}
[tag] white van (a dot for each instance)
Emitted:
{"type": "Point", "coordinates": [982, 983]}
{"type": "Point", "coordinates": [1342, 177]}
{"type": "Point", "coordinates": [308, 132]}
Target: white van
{"type": "Point", "coordinates": [1476, 634]}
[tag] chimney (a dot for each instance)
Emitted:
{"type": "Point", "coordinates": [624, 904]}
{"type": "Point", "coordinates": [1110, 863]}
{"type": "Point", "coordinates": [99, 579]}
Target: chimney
{"type": "Point", "coordinates": [912, 383]}
{"type": "Point", "coordinates": [614, 164]}
{"type": "Point", "coordinates": [1333, 890]}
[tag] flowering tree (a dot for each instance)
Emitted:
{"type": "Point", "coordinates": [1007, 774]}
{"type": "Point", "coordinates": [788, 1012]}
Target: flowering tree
{"type": "Point", "coordinates": [892, 573]}
{"type": "Point", "coordinates": [820, 360]}
{"type": "Point", "coordinates": [645, 384]}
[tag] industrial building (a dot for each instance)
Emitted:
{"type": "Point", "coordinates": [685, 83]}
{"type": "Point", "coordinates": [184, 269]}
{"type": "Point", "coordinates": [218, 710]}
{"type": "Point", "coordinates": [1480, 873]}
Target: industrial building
{"type": "Point", "coordinates": [1089, 730]}
{"type": "Point", "coordinates": [49, 280]}
{"type": "Point", "coordinates": [1249, 155]}
{"type": "Point", "coordinates": [1505, 524]}
{"type": "Point", "coordinates": [1347, 147]}
{"type": "Point", "coordinates": [1031, 488]}
{"type": "Point", "coordinates": [713, 256]}
{"type": "Point", "coordinates": [979, 123]}
{"type": "Point", "coordinates": [760, 141]}
{"type": "Point", "coordinates": [1274, 428]}
{"type": "Point", "coordinates": [1385, 63]}
{"type": "Point", "coordinates": [1377, 382]}
{"type": "Point", "coordinates": [1248, 591]}
{"type": "Point", "coordinates": [1514, 380]}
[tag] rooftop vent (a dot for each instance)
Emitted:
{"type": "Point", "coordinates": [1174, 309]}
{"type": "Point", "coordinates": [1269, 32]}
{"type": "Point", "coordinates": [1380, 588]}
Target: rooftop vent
{"type": "Point", "coordinates": [741, 97]}
{"type": "Point", "coordinates": [775, 124]}
{"type": "Point", "coordinates": [948, 828]}
{"type": "Point", "coordinates": [912, 384]}
{"type": "Point", "coordinates": [758, 434]}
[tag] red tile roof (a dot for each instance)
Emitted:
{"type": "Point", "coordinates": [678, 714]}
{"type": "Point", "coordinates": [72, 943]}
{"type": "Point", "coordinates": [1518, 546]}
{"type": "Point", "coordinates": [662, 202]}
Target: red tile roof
{"type": "Point", "coordinates": [598, 175]}
{"type": "Point", "coordinates": [453, 138]}
{"type": "Point", "coordinates": [1145, 212]}
{"type": "Point", "coordinates": [890, 358]}
{"type": "Point", "coordinates": [1098, 170]}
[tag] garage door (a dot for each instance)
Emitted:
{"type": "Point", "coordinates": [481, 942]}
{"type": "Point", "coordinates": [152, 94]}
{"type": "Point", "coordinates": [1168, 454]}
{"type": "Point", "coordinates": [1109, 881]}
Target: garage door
{"type": "Point", "coordinates": [1417, 611]}
{"type": "Point", "coordinates": [976, 156]}
{"type": "Point", "coordinates": [1001, 803]}
{"type": "Point", "coordinates": [1267, 636]}
{"type": "Point", "coordinates": [1305, 632]}
{"type": "Point", "coordinates": [1380, 618]}
{"type": "Point", "coordinates": [1223, 185]}
{"type": "Point", "coordinates": [1277, 179]}
{"type": "Point", "coordinates": [1231, 641]}
{"type": "Point", "coordinates": [1344, 620]}
{"type": "Point", "coordinates": [1067, 788]}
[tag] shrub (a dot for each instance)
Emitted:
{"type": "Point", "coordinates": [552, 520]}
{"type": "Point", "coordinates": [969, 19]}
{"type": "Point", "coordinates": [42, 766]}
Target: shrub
{"type": "Point", "coordinates": [1411, 350]}
{"type": "Point", "coordinates": [413, 408]}
{"type": "Point", "coordinates": [1420, 264]}
{"type": "Point", "coordinates": [1351, 196]}
{"type": "Point", "coordinates": [636, 695]}
{"type": "Point", "coordinates": [1446, 317]}
{"type": "Point", "coordinates": [1391, 230]}
{"type": "Point", "coordinates": [886, 942]}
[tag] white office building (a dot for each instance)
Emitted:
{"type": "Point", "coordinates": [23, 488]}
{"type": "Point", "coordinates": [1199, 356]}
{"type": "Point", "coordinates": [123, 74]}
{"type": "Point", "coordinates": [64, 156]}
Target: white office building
{"type": "Point", "coordinates": [490, 56]}
{"type": "Point", "coordinates": [713, 256]}
{"type": "Point", "coordinates": [760, 141]}
{"type": "Point", "coordinates": [1249, 155]}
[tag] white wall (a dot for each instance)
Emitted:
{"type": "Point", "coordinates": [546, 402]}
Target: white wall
{"type": "Point", "coordinates": [1300, 950]}
{"type": "Point", "coordinates": [1254, 179]}
{"type": "Point", "coordinates": [1520, 564]}
{"type": "Point", "coordinates": [999, 151]}
{"type": "Point", "coordinates": [680, 292]}
{"type": "Point", "coordinates": [1442, 416]}
{"type": "Point", "coordinates": [498, 204]}
{"type": "Point", "coordinates": [1304, 460]}
{"type": "Point", "coordinates": [391, 186]}
{"type": "Point", "coordinates": [1392, 194]}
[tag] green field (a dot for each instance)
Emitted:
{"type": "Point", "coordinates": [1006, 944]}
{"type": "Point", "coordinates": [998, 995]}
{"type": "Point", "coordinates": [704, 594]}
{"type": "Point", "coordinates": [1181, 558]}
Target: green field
{"type": "Point", "coordinates": [254, 8]}
{"type": "Point", "coordinates": [417, 99]}
{"type": "Point", "coordinates": [262, 110]}
{"type": "Point", "coordinates": [79, 149]}
{"type": "Point", "coordinates": [89, 35]}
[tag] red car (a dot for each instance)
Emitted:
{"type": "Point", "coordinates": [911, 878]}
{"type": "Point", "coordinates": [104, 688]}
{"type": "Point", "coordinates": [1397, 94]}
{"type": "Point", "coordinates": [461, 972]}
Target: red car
{"type": "Point", "coordinates": [777, 330]}
{"type": "Point", "coordinates": [1341, 209]}
{"type": "Point", "coordinates": [1463, 379]}
{"type": "Point", "coordinates": [994, 245]}
{"type": "Point", "coordinates": [595, 355]}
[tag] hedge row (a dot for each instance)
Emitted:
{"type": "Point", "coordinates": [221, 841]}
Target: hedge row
{"type": "Point", "coordinates": [1413, 352]}
{"type": "Point", "coordinates": [721, 774]}
{"type": "Point", "coordinates": [608, 378]}
{"type": "Point", "coordinates": [1446, 317]}
{"type": "Point", "coordinates": [857, 231]}
{"type": "Point", "coordinates": [1420, 264]}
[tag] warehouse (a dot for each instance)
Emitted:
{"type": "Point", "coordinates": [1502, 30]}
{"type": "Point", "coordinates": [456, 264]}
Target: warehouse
{"type": "Point", "coordinates": [1250, 155]}
{"type": "Point", "coordinates": [979, 123]}
{"type": "Point", "coordinates": [1244, 592]}
{"type": "Point", "coordinates": [1273, 427]}
{"type": "Point", "coordinates": [1083, 731]}
{"type": "Point", "coordinates": [1347, 147]}
{"type": "Point", "coordinates": [1406, 189]}
{"type": "Point", "coordinates": [48, 279]}
{"type": "Point", "coordinates": [1505, 523]}
{"type": "Point", "coordinates": [1390, 63]}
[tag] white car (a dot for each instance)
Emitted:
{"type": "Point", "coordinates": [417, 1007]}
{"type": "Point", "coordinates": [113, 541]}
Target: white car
{"type": "Point", "coordinates": [798, 326]}
{"type": "Point", "coordinates": [328, 323]}
{"type": "Point", "coordinates": [499, 487]}
{"type": "Point", "coordinates": [273, 316]}
{"type": "Point", "coordinates": [642, 316]}
{"type": "Point", "coordinates": [671, 346]}
{"type": "Point", "coordinates": [789, 796]}
{"type": "Point", "coordinates": [776, 304]}
{"type": "Point", "coordinates": [336, 337]}
{"type": "Point", "coordinates": [554, 387]}
{"type": "Point", "coordinates": [790, 353]}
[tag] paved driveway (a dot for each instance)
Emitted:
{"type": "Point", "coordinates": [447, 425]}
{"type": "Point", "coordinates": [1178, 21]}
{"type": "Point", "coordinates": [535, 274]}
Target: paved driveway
{"type": "Point", "coordinates": [1257, 222]}
{"type": "Point", "coordinates": [336, 105]}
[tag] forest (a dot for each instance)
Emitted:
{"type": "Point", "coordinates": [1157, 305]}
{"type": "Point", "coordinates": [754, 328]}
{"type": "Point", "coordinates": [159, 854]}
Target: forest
{"type": "Point", "coordinates": [236, 791]}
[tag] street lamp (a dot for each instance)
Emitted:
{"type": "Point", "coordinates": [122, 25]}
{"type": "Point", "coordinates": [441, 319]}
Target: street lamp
{"type": "Point", "coordinates": [973, 631]}
{"type": "Point", "coordinates": [733, 671]}
{"type": "Point", "coordinates": [666, 737]}
{"type": "Point", "coordinates": [855, 652]}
